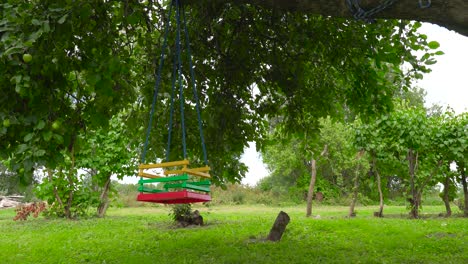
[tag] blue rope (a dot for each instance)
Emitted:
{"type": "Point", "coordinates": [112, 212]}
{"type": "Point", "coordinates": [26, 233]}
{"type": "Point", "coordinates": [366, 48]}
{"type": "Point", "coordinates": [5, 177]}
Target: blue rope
{"type": "Point", "coordinates": [156, 87]}
{"type": "Point", "coordinates": [194, 88]}
{"type": "Point", "coordinates": [181, 91]}
{"type": "Point", "coordinates": [171, 115]}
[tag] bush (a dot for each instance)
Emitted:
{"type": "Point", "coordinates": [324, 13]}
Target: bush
{"type": "Point", "coordinates": [181, 212]}
{"type": "Point", "coordinates": [23, 211]}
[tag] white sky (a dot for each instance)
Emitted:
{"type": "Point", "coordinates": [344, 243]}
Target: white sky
{"type": "Point", "coordinates": [447, 84]}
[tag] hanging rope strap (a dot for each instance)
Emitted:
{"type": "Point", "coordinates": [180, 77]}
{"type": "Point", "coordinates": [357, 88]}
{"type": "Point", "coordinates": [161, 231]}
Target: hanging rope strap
{"type": "Point", "coordinates": [156, 87]}
{"type": "Point", "coordinates": [194, 88]}
{"type": "Point", "coordinates": [177, 81]}
{"type": "Point", "coordinates": [181, 90]}
{"type": "Point", "coordinates": [171, 114]}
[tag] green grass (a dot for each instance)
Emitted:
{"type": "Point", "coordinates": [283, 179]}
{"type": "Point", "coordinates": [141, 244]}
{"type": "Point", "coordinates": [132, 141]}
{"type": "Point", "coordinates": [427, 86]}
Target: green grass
{"type": "Point", "coordinates": [234, 235]}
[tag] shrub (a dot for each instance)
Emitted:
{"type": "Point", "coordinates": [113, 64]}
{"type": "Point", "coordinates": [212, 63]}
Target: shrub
{"type": "Point", "coordinates": [24, 210]}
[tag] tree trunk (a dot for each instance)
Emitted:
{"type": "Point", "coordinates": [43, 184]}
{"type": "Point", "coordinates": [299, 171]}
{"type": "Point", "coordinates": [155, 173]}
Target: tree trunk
{"type": "Point", "coordinates": [449, 14]}
{"type": "Point", "coordinates": [313, 178]}
{"type": "Point", "coordinates": [352, 213]}
{"type": "Point", "coordinates": [70, 177]}
{"type": "Point", "coordinates": [310, 193]}
{"type": "Point", "coordinates": [465, 191]}
{"type": "Point", "coordinates": [276, 232]}
{"type": "Point", "coordinates": [381, 203]}
{"type": "Point", "coordinates": [104, 199]}
{"type": "Point", "coordinates": [379, 186]}
{"type": "Point", "coordinates": [414, 200]}
{"type": "Point", "coordinates": [57, 197]}
{"type": "Point", "coordinates": [445, 196]}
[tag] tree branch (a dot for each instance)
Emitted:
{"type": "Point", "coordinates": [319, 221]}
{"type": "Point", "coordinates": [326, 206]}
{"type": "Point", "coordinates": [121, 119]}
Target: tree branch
{"type": "Point", "coordinates": [451, 14]}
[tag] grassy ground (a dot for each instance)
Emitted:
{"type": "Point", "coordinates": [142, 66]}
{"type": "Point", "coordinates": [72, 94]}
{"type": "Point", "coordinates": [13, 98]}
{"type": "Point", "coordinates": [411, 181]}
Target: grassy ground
{"type": "Point", "coordinates": [234, 235]}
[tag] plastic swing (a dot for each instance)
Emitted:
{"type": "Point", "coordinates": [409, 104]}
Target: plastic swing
{"type": "Point", "coordinates": [180, 184]}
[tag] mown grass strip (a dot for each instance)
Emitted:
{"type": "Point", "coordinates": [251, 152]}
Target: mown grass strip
{"type": "Point", "coordinates": [234, 235]}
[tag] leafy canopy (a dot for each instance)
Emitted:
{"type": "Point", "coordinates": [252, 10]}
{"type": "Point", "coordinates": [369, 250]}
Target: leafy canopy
{"type": "Point", "coordinates": [90, 59]}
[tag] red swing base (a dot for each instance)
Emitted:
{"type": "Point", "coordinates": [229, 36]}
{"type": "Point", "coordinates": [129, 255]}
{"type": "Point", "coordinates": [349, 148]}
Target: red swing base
{"type": "Point", "coordinates": [180, 197]}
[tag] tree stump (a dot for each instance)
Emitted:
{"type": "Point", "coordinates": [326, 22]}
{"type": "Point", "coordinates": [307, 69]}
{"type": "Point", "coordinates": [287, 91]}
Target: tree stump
{"type": "Point", "coordinates": [276, 232]}
{"type": "Point", "coordinates": [194, 218]}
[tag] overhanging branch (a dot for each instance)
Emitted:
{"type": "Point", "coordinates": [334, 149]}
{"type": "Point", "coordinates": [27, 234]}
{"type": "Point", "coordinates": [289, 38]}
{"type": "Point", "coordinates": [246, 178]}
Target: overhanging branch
{"type": "Point", "coordinates": [451, 14]}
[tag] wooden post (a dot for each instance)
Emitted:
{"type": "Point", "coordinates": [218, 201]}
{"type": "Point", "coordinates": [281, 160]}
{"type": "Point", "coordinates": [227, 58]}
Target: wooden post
{"type": "Point", "coordinates": [276, 232]}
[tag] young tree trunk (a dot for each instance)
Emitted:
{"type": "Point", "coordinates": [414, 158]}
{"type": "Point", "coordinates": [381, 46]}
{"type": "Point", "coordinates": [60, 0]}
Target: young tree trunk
{"type": "Point", "coordinates": [310, 193]}
{"type": "Point", "coordinates": [352, 213]}
{"type": "Point", "coordinates": [313, 178]}
{"type": "Point", "coordinates": [414, 200]}
{"type": "Point", "coordinates": [104, 199]}
{"type": "Point", "coordinates": [71, 183]}
{"type": "Point", "coordinates": [379, 186]}
{"type": "Point", "coordinates": [445, 196]}
{"type": "Point", "coordinates": [276, 232]}
{"type": "Point", "coordinates": [465, 191]}
{"type": "Point", "coordinates": [57, 197]}
{"type": "Point", "coordinates": [381, 203]}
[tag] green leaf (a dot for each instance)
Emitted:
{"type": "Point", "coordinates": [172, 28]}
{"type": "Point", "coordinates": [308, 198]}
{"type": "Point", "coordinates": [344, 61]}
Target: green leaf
{"type": "Point", "coordinates": [47, 135]}
{"type": "Point", "coordinates": [62, 19]}
{"type": "Point", "coordinates": [28, 137]}
{"type": "Point", "coordinates": [13, 50]}
{"type": "Point", "coordinates": [46, 27]}
{"type": "Point", "coordinates": [433, 45]}
{"type": "Point", "coordinates": [16, 79]}
{"type": "Point", "coordinates": [39, 153]}
{"type": "Point", "coordinates": [40, 125]}
{"type": "Point", "coordinates": [431, 62]}
{"type": "Point", "coordinates": [22, 148]}
{"type": "Point", "coordinates": [36, 22]}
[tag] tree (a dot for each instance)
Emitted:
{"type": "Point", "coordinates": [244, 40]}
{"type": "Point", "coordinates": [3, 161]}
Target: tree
{"type": "Point", "coordinates": [313, 178]}
{"type": "Point", "coordinates": [367, 139]}
{"type": "Point", "coordinates": [428, 11]}
{"type": "Point", "coordinates": [458, 143]}
{"type": "Point", "coordinates": [416, 139]}
{"type": "Point", "coordinates": [86, 61]}
{"type": "Point", "coordinates": [105, 153]}
{"type": "Point", "coordinates": [328, 156]}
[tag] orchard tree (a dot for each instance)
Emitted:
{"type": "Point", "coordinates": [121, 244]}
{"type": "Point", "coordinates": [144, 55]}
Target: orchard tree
{"type": "Point", "coordinates": [368, 138]}
{"type": "Point", "coordinates": [458, 141]}
{"type": "Point", "coordinates": [409, 135]}
{"type": "Point", "coordinates": [327, 158]}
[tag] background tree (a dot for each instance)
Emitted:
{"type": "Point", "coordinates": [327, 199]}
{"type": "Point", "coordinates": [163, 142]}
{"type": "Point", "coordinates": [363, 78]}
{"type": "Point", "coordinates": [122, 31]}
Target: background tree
{"type": "Point", "coordinates": [105, 153]}
{"type": "Point", "coordinates": [458, 141]}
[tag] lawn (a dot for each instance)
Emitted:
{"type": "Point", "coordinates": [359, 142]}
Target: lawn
{"type": "Point", "coordinates": [233, 234]}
